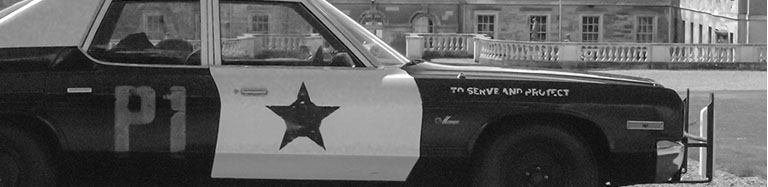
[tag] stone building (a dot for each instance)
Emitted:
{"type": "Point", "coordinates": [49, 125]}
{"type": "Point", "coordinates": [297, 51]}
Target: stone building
{"type": "Point", "coordinates": [722, 21]}
{"type": "Point", "coordinates": [642, 21]}
{"type": "Point", "coordinates": [645, 21]}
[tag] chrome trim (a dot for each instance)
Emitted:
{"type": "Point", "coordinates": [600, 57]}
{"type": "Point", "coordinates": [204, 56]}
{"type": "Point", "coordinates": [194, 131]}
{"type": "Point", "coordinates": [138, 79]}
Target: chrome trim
{"type": "Point", "coordinates": [254, 91]}
{"type": "Point", "coordinates": [95, 16]}
{"type": "Point", "coordinates": [80, 90]}
{"type": "Point", "coordinates": [645, 125]}
{"type": "Point", "coordinates": [669, 159]}
{"type": "Point", "coordinates": [95, 25]}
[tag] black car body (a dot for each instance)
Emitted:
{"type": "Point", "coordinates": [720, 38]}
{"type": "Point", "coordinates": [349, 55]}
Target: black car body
{"type": "Point", "coordinates": [173, 89]}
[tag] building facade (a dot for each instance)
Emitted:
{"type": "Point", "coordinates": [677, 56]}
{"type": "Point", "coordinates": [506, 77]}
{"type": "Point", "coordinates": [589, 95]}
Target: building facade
{"type": "Point", "coordinates": [722, 21]}
{"type": "Point", "coordinates": [630, 21]}
{"type": "Point", "coordinates": [644, 21]}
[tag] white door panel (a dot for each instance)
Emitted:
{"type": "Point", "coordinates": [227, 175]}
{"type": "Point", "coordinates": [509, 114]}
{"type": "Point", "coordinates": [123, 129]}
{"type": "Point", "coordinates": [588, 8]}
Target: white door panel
{"type": "Point", "coordinates": [372, 134]}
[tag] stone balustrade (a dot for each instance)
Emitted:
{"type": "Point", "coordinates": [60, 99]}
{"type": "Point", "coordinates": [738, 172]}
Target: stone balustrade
{"type": "Point", "coordinates": [563, 54]}
{"type": "Point", "coordinates": [451, 43]}
{"type": "Point", "coordinates": [620, 52]}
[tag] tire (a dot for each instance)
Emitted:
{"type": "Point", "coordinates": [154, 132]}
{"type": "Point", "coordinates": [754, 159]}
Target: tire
{"type": "Point", "coordinates": [536, 156]}
{"type": "Point", "coordinates": [23, 160]}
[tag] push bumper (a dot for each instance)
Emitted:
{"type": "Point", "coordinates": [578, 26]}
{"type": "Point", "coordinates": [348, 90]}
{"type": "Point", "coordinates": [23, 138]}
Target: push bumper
{"type": "Point", "coordinates": [671, 160]}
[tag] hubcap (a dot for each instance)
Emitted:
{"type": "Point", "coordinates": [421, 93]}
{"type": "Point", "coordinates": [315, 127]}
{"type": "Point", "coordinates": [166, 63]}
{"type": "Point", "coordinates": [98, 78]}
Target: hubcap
{"type": "Point", "coordinates": [533, 164]}
{"type": "Point", "coordinates": [536, 175]}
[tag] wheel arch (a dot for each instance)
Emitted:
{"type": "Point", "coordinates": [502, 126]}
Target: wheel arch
{"type": "Point", "coordinates": [36, 126]}
{"type": "Point", "coordinates": [587, 130]}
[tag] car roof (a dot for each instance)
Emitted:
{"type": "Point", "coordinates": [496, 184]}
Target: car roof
{"type": "Point", "coordinates": [48, 23]}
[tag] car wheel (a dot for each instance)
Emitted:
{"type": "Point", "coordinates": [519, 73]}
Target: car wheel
{"type": "Point", "coordinates": [536, 156]}
{"type": "Point", "coordinates": [23, 160]}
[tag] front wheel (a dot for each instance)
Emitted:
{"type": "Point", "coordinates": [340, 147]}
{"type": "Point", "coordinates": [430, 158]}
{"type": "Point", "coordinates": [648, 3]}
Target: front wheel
{"type": "Point", "coordinates": [23, 160]}
{"type": "Point", "coordinates": [536, 156]}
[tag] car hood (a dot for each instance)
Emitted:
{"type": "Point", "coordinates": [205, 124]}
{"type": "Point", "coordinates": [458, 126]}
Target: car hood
{"type": "Point", "coordinates": [441, 71]}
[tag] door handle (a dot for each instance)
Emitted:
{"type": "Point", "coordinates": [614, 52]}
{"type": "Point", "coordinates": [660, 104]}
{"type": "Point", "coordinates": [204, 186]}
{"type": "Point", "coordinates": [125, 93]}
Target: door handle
{"type": "Point", "coordinates": [80, 90]}
{"type": "Point", "coordinates": [253, 91]}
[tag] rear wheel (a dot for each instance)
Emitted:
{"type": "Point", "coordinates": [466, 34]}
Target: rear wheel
{"type": "Point", "coordinates": [23, 160]}
{"type": "Point", "coordinates": [536, 156]}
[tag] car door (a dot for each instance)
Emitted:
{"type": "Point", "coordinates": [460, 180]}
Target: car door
{"type": "Point", "coordinates": [139, 101]}
{"type": "Point", "coordinates": [296, 103]}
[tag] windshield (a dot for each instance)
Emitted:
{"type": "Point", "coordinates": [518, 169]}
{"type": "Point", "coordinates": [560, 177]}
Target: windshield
{"type": "Point", "coordinates": [372, 47]}
{"type": "Point", "coordinates": [7, 11]}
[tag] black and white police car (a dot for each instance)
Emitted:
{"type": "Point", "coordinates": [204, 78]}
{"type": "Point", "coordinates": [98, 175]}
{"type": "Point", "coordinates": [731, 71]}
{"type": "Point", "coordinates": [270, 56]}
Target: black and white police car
{"type": "Point", "coordinates": [296, 90]}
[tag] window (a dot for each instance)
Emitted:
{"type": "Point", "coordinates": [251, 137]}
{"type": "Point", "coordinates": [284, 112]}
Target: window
{"type": "Point", "coordinates": [149, 32]}
{"type": "Point", "coordinates": [538, 28]}
{"type": "Point", "coordinates": [373, 20]}
{"type": "Point", "coordinates": [260, 23]}
{"type": "Point", "coordinates": [590, 29]}
{"type": "Point", "coordinates": [701, 35]}
{"type": "Point", "coordinates": [292, 44]}
{"type": "Point", "coordinates": [692, 36]}
{"type": "Point", "coordinates": [645, 29]}
{"type": "Point", "coordinates": [422, 24]}
{"type": "Point", "coordinates": [155, 26]}
{"type": "Point", "coordinates": [486, 25]}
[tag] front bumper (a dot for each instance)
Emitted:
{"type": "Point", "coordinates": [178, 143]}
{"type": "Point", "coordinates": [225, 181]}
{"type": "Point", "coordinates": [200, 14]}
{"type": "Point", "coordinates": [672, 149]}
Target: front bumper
{"type": "Point", "coordinates": [669, 159]}
{"type": "Point", "coordinates": [672, 157]}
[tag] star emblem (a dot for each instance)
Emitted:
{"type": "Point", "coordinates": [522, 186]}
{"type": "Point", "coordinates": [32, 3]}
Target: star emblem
{"type": "Point", "coordinates": [303, 118]}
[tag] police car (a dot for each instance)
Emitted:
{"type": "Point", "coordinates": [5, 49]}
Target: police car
{"type": "Point", "coordinates": [296, 90]}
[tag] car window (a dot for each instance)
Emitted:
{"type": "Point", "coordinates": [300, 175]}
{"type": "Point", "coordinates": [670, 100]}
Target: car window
{"type": "Point", "coordinates": [277, 34]}
{"type": "Point", "coordinates": [372, 46]}
{"type": "Point", "coordinates": [149, 32]}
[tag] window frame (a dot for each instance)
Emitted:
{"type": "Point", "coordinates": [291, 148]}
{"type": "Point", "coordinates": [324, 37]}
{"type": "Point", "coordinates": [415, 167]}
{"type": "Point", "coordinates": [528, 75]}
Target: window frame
{"type": "Point", "coordinates": [599, 27]}
{"type": "Point", "coordinates": [253, 22]}
{"type": "Point", "coordinates": [218, 60]}
{"type": "Point", "coordinates": [430, 23]}
{"type": "Point", "coordinates": [654, 28]}
{"type": "Point", "coordinates": [98, 21]}
{"type": "Point", "coordinates": [545, 28]}
{"type": "Point", "coordinates": [495, 23]}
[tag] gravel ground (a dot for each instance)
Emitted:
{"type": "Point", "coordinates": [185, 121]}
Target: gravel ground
{"type": "Point", "coordinates": [722, 178]}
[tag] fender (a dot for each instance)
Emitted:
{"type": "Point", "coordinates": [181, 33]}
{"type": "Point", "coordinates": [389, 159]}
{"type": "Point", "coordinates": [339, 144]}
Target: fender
{"type": "Point", "coordinates": [560, 114]}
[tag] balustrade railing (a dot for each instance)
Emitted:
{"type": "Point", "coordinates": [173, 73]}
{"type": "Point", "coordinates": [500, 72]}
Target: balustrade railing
{"type": "Point", "coordinates": [614, 53]}
{"type": "Point", "coordinates": [445, 43]}
{"type": "Point", "coordinates": [703, 53]}
{"type": "Point", "coordinates": [509, 50]}
{"type": "Point", "coordinates": [503, 50]}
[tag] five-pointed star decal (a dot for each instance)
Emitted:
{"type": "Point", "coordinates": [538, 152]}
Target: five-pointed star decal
{"type": "Point", "coordinates": [303, 118]}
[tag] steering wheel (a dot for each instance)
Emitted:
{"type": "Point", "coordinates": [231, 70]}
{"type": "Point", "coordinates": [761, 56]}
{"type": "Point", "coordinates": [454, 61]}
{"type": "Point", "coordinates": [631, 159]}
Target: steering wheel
{"type": "Point", "coordinates": [193, 58]}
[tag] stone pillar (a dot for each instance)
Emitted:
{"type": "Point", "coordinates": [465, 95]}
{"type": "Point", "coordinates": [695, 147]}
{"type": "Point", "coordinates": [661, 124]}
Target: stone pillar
{"type": "Point", "coordinates": [660, 53]}
{"type": "Point", "coordinates": [477, 46]}
{"type": "Point", "coordinates": [414, 46]}
{"type": "Point", "coordinates": [747, 53]}
{"type": "Point", "coordinates": [570, 55]}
